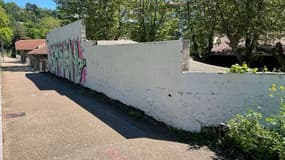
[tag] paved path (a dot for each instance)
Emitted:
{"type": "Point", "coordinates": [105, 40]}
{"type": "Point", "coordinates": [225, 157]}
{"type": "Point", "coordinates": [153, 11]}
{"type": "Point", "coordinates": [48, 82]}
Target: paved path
{"type": "Point", "coordinates": [46, 118]}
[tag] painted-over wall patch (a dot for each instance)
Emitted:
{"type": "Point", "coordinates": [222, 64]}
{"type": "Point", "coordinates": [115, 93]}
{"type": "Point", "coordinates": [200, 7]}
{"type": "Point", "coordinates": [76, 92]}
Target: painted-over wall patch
{"type": "Point", "coordinates": [66, 59]}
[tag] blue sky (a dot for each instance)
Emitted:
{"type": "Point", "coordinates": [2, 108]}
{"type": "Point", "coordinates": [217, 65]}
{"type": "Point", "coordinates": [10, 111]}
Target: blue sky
{"type": "Point", "coordinates": [40, 3]}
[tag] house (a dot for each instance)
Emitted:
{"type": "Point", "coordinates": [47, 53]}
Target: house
{"type": "Point", "coordinates": [222, 54]}
{"type": "Point", "coordinates": [221, 44]}
{"type": "Point", "coordinates": [24, 46]}
{"type": "Point", "coordinates": [39, 58]}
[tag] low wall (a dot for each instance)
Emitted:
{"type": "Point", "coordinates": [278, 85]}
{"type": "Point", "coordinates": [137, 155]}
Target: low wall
{"type": "Point", "coordinates": [211, 98]}
{"type": "Point", "coordinates": [150, 77]}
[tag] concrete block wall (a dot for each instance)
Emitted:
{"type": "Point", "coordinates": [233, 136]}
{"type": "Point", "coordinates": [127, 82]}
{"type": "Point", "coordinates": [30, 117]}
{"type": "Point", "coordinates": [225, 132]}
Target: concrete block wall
{"type": "Point", "coordinates": [150, 77]}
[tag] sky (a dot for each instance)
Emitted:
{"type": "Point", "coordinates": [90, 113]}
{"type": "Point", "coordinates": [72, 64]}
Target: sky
{"type": "Point", "coordinates": [48, 4]}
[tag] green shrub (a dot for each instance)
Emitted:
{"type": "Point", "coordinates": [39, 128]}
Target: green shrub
{"type": "Point", "coordinates": [260, 137]}
{"type": "Point", "coordinates": [236, 68]}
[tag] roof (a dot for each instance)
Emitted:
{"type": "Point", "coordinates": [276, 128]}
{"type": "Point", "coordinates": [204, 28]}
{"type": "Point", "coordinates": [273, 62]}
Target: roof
{"type": "Point", "coordinates": [221, 44]}
{"type": "Point", "coordinates": [40, 50]}
{"type": "Point", "coordinates": [28, 45]}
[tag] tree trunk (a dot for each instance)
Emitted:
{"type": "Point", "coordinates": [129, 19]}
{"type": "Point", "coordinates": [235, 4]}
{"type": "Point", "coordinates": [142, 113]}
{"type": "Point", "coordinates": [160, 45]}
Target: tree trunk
{"type": "Point", "coordinates": [250, 44]}
{"type": "Point", "coordinates": [210, 43]}
{"type": "Point", "coordinates": [279, 56]}
{"type": "Point", "coordinates": [2, 51]}
{"type": "Point", "coordinates": [234, 40]}
{"type": "Point", "coordinates": [153, 23]}
{"type": "Point", "coordinates": [195, 46]}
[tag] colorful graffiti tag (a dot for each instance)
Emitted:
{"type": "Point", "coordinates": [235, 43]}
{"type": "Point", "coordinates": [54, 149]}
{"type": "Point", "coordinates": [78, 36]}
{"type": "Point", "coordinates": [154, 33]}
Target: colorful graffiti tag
{"type": "Point", "coordinates": [66, 59]}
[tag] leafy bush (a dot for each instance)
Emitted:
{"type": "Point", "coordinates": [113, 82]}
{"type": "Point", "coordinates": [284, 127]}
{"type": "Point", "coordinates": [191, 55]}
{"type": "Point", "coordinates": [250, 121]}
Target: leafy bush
{"type": "Point", "coordinates": [236, 68]}
{"type": "Point", "coordinates": [259, 137]}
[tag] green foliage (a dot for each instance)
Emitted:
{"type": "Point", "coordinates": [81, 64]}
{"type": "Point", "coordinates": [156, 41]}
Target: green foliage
{"type": "Point", "coordinates": [24, 23]}
{"type": "Point", "coordinates": [20, 31]}
{"type": "Point", "coordinates": [142, 21]}
{"type": "Point", "coordinates": [199, 21]}
{"type": "Point", "coordinates": [47, 24]}
{"type": "Point", "coordinates": [6, 35]}
{"type": "Point", "coordinates": [265, 69]}
{"type": "Point", "coordinates": [4, 19]}
{"type": "Point", "coordinates": [41, 28]}
{"type": "Point", "coordinates": [5, 32]}
{"type": "Point", "coordinates": [260, 137]}
{"type": "Point", "coordinates": [102, 19]}
{"type": "Point", "coordinates": [277, 122]}
{"type": "Point", "coordinates": [236, 68]}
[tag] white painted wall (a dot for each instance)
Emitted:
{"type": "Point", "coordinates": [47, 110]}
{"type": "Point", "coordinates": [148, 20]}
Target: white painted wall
{"type": "Point", "coordinates": [141, 75]}
{"type": "Point", "coordinates": [149, 77]}
{"type": "Point", "coordinates": [212, 98]}
{"type": "Point", "coordinates": [70, 31]}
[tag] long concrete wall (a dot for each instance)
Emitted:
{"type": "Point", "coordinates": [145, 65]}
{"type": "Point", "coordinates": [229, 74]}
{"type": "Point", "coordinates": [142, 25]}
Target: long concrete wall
{"type": "Point", "coordinates": [150, 77]}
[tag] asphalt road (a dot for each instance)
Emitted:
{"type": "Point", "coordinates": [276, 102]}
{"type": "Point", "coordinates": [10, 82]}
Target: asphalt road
{"type": "Point", "coordinates": [45, 117]}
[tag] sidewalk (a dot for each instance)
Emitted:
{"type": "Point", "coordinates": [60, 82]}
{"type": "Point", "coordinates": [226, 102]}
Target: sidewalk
{"type": "Point", "coordinates": [46, 118]}
{"type": "Point", "coordinates": [1, 124]}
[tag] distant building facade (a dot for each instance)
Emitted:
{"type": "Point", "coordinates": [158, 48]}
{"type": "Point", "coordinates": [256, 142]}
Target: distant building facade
{"type": "Point", "coordinates": [33, 52]}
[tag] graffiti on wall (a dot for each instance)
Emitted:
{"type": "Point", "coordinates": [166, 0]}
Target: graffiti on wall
{"type": "Point", "coordinates": [66, 59]}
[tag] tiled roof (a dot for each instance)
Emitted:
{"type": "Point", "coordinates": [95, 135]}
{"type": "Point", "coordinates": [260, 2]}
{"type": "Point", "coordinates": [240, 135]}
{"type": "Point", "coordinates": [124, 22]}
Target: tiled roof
{"type": "Point", "coordinates": [28, 45]}
{"type": "Point", "coordinates": [221, 44]}
{"type": "Point", "coordinates": [39, 50]}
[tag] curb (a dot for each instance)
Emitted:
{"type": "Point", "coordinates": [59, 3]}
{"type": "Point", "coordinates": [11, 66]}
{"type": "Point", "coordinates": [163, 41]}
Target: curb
{"type": "Point", "coordinates": [1, 130]}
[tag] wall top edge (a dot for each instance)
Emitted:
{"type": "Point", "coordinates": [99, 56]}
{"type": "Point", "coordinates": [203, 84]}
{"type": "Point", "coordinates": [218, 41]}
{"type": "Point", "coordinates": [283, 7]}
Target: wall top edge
{"type": "Point", "coordinates": [227, 73]}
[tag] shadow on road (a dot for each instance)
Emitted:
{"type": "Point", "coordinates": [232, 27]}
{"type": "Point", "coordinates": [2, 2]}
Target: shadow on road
{"type": "Point", "coordinates": [113, 113]}
{"type": "Point", "coordinates": [109, 111]}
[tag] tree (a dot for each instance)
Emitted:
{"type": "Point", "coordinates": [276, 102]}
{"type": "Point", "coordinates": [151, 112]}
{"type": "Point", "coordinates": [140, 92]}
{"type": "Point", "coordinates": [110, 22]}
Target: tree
{"type": "Point", "coordinates": [101, 16]}
{"type": "Point", "coordinates": [13, 10]}
{"type": "Point", "coordinates": [148, 18]}
{"type": "Point", "coordinates": [141, 20]}
{"type": "Point", "coordinates": [19, 30]}
{"type": "Point", "coordinates": [102, 19]}
{"type": "Point", "coordinates": [47, 24]}
{"type": "Point", "coordinates": [197, 20]}
{"type": "Point", "coordinates": [5, 32]}
{"type": "Point", "coordinates": [71, 10]}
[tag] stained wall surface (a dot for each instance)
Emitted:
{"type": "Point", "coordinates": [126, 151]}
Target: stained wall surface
{"type": "Point", "coordinates": [150, 77]}
{"type": "Point", "coordinates": [66, 55]}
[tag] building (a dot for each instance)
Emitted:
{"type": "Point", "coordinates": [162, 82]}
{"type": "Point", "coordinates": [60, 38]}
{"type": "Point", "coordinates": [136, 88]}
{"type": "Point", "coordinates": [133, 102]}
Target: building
{"type": "Point", "coordinates": [24, 46]}
{"type": "Point", "coordinates": [39, 57]}
{"type": "Point", "coordinates": [222, 54]}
